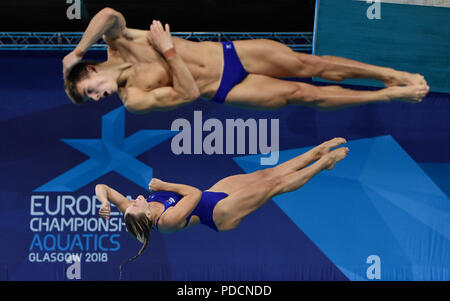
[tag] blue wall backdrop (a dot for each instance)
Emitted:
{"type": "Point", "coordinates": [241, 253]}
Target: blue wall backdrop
{"type": "Point", "coordinates": [389, 198]}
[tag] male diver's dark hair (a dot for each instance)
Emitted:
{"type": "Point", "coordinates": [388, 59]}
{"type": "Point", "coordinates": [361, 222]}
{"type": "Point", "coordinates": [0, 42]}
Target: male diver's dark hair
{"type": "Point", "coordinates": [77, 73]}
{"type": "Point", "coordinates": [140, 227]}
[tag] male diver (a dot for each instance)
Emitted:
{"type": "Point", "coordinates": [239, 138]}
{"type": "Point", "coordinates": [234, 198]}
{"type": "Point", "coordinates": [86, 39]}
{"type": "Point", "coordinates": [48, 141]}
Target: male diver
{"type": "Point", "coordinates": [151, 70]}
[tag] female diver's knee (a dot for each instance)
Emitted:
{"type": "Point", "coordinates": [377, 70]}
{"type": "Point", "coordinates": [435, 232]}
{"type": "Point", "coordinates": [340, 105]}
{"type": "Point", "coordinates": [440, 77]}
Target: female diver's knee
{"type": "Point", "coordinates": [228, 226]}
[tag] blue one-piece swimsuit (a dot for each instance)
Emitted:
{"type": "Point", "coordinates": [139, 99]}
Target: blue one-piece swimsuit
{"type": "Point", "coordinates": [204, 209]}
{"type": "Point", "coordinates": [233, 72]}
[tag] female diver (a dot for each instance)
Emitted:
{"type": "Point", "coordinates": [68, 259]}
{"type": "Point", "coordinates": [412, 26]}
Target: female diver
{"type": "Point", "coordinates": [172, 207]}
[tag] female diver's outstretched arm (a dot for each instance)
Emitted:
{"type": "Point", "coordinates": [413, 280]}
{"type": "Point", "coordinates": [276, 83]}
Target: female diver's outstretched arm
{"type": "Point", "coordinates": [176, 216]}
{"type": "Point", "coordinates": [106, 194]}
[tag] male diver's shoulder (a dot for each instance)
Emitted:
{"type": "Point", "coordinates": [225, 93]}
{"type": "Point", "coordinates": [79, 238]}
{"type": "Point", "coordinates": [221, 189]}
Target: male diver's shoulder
{"type": "Point", "coordinates": [127, 96]}
{"type": "Point", "coordinates": [132, 34]}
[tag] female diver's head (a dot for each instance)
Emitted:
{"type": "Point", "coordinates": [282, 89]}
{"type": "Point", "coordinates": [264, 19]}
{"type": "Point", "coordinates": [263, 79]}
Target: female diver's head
{"type": "Point", "coordinates": [139, 206]}
{"type": "Point", "coordinates": [139, 224]}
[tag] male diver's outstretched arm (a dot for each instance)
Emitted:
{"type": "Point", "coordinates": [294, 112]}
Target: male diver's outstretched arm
{"type": "Point", "coordinates": [107, 22]}
{"type": "Point", "coordinates": [106, 194]}
{"type": "Point", "coordinates": [175, 218]}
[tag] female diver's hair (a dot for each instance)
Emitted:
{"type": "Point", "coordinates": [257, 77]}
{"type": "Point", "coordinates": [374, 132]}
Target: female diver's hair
{"type": "Point", "coordinates": [140, 227]}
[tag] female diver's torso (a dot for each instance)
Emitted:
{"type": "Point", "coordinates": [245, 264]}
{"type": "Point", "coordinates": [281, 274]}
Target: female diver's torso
{"type": "Point", "coordinates": [203, 211]}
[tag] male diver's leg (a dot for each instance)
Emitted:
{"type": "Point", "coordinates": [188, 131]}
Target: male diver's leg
{"type": "Point", "coordinates": [274, 59]}
{"type": "Point", "coordinates": [259, 91]}
{"type": "Point", "coordinates": [338, 69]}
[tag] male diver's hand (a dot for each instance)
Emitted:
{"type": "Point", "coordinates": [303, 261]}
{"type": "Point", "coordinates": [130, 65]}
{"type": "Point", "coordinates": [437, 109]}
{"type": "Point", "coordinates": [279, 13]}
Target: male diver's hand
{"type": "Point", "coordinates": [159, 37]}
{"type": "Point", "coordinates": [155, 184]}
{"type": "Point", "coordinates": [69, 60]}
{"type": "Point", "coordinates": [105, 210]}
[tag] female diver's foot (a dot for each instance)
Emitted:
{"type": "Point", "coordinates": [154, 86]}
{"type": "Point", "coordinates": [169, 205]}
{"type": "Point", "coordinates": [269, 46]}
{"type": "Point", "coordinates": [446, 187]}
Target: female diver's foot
{"type": "Point", "coordinates": [326, 147]}
{"type": "Point", "coordinates": [335, 156]}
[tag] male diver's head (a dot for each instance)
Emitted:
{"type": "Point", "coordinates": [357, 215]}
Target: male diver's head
{"type": "Point", "coordinates": [89, 80]}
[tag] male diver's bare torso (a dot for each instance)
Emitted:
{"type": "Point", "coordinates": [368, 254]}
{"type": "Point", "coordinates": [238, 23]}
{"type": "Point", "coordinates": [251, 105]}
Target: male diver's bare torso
{"type": "Point", "coordinates": [149, 70]}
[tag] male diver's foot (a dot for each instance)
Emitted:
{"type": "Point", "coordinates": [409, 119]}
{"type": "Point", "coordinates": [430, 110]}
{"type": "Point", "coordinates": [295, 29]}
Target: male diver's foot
{"type": "Point", "coordinates": [325, 147]}
{"type": "Point", "coordinates": [412, 94]}
{"type": "Point", "coordinates": [335, 156]}
{"type": "Point", "coordinates": [401, 78]}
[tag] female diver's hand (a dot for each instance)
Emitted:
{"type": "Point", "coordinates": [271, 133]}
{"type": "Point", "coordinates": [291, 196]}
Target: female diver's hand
{"type": "Point", "coordinates": [105, 210]}
{"type": "Point", "coordinates": [155, 184]}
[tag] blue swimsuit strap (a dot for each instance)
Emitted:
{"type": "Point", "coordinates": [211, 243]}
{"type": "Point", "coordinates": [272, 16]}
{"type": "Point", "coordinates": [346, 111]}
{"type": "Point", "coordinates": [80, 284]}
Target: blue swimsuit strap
{"type": "Point", "coordinates": [157, 220]}
{"type": "Point", "coordinates": [188, 219]}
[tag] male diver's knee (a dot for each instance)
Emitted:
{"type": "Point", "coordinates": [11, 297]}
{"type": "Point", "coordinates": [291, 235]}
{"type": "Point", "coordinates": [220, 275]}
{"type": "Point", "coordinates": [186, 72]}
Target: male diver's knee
{"type": "Point", "coordinates": [306, 94]}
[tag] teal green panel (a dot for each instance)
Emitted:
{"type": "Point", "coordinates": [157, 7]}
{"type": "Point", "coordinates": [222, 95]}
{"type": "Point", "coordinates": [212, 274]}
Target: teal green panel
{"type": "Point", "coordinates": [411, 38]}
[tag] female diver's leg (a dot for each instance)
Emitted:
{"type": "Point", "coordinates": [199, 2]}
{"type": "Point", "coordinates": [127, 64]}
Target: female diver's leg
{"type": "Point", "coordinates": [309, 157]}
{"type": "Point", "coordinates": [299, 178]}
{"type": "Point", "coordinates": [230, 211]}
{"type": "Point", "coordinates": [236, 182]}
